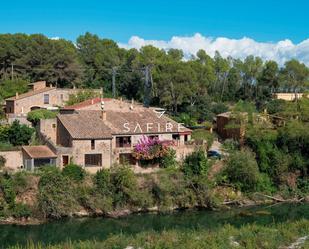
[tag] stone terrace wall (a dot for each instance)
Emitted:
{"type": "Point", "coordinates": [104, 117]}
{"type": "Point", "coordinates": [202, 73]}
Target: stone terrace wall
{"type": "Point", "coordinates": [14, 159]}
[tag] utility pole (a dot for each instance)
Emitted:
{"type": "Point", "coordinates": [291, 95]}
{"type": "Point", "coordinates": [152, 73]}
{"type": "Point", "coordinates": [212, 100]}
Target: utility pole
{"type": "Point", "coordinates": [12, 71]}
{"type": "Point", "coordinates": [147, 86]}
{"type": "Point", "coordinates": [114, 82]}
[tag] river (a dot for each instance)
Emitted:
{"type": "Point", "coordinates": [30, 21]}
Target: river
{"type": "Point", "coordinates": [100, 228]}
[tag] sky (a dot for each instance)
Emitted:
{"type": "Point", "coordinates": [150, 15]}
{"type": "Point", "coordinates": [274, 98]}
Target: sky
{"type": "Point", "coordinates": [269, 28]}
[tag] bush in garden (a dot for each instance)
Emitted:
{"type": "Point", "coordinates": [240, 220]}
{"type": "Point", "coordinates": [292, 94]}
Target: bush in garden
{"type": "Point", "coordinates": [169, 159]}
{"type": "Point", "coordinates": [74, 172]}
{"type": "Point", "coordinates": [196, 163]}
{"type": "Point", "coordinates": [242, 170]}
{"type": "Point", "coordinates": [19, 134]}
{"type": "Point", "coordinates": [35, 115]}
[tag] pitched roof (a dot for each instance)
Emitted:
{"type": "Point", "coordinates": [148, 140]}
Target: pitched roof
{"type": "Point", "coordinates": [85, 103]}
{"type": "Point", "coordinates": [89, 124]}
{"type": "Point", "coordinates": [145, 121]}
{"type": "Point", "coordinates": [31, 93]}
{"type": "Point", "coordinates": [41, 151]}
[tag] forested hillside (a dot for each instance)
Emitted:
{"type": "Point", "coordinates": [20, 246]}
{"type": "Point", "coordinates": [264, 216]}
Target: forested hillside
{"type": "Point", "coordinates": [178, 84]}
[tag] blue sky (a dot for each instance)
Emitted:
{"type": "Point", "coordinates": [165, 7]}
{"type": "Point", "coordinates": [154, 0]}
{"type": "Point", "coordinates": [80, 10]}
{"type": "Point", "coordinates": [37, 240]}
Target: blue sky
{"type": "Point", "coordinates": [272, 29]}
{"type": "Point", "coordinates": [264, 21]}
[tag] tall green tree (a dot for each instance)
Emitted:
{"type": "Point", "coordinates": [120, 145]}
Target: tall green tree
{"type": "Point", "coordinates": [295, 75]}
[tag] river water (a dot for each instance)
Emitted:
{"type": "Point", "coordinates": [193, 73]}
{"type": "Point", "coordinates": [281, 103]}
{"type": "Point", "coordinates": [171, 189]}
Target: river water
{"type": "Point", "coordinates": [100, 228]}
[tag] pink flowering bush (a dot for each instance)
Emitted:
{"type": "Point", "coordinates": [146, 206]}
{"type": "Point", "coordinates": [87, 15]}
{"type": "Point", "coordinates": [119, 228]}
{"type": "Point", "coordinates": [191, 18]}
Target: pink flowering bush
{"type": "Point", "coordinates": [151, 150]}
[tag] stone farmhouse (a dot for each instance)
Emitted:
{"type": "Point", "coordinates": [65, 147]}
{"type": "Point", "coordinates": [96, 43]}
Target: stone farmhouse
{"type": "Point", "coordinates": [94, 138]}
{"type": "Point", "coordinates": [40, 96]}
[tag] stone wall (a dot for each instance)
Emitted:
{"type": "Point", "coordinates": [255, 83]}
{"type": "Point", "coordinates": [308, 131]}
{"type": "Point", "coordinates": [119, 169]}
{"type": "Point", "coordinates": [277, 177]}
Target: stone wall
{"type": "Point", "coordinates": [14, 159]}
{"type": "Point", "coordinates": [63, 138]}
{"type": "Point", "coordinates": [288, 96]}
{"type": "Point", "coordinates": [82, 147]}
{"type": "Point", "coordinates": [48, 127]}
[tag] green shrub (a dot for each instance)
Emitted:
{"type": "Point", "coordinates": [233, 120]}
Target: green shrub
{"type": "Point", "coordinates": [218, 108]}
{"type": "Point", "coordinates": [103, 183]}
{"type": "Point", "coordinates": [8, 88]}
{"type": "Point", "coordinates": [201, 134]}
{"type": "Point", "coordinates": [56, 194]}
{"type": "Point", "coordinates": [230, 145]}
{"type": "Point", "coordinates": [4, 132]}
{"type": "Point", "coordinates": [2, 161]}
{"type": "Point", "coordinates": [35, 116]}
{"type": "Point", "coordinates": [125, 185]}
{"type": "Point", "coordinates": [21, 210]}
{"type": "Point", "coordinates": [276, 106]}
{"type": "Point", "coordinates": [82, 96]}
{"type": "Point", "coordinates": [242, 170]}
{"type": "Point", "coordinates": [265, 184]}
{"type": "Point", "coordinates": [7, 188]}
{"type": "Point", "coordinates": [196, 163]}
{"type": "Point", "coordinates": [19, 134]}
{"type": "Point", "coordinates": [169, 159]}
{"type": "Point", "coordinates": [303, 185]}
{"type": "Point", "coordinates": [74, 172]}
{"type": "Point", "coordinates": [5, 146]}
{"type": "Point", "coordinates": [20, 181]}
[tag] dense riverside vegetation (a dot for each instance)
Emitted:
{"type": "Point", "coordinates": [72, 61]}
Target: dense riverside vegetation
{"type": "Point", "coordinates": [51, 193]}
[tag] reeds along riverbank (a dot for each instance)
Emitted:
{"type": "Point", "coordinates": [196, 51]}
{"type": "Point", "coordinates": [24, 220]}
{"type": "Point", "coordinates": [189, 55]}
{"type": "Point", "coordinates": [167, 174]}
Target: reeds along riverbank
{"type": "Point", "coordinates": [282, 235]}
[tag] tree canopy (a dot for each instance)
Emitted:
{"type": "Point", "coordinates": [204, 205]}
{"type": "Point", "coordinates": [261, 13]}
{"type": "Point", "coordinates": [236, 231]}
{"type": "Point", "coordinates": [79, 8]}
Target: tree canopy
{"type": "Point", "coordinates": [177, 83]}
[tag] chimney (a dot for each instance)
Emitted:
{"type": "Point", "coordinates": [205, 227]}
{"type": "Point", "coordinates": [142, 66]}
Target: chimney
{"type": "Point", "coordinates": [132, 104]}
{"type": "Point", "coordinates": [103, 112]}
{"type": "Point", "coordinates": [16, 96]}
{"type": "Point", "coordinates": [103, 115]}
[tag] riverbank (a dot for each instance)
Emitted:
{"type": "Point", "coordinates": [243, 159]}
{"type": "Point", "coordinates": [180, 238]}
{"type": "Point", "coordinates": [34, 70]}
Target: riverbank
{"type": "Point", "coordinates": [29, 198]}
{"type": "Point", "coordinates": [244, 202]}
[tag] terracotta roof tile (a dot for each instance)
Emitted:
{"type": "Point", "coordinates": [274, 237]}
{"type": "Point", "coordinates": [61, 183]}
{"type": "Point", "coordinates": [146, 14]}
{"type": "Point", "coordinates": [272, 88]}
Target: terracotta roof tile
{"type": "Point", "coordinates": [31, 93]}
{"type": "Point", "coordinates": [85, 126]}
{"type": "Point", "coordinates": [40, 151]}
{"type": "Point", "coordinates": [89, 124]}
{"type": "Point", "coordinates": [86, 103]}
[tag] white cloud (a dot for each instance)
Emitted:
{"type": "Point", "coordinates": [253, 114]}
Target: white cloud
{"type": "Point", "coordinates": [238, 48]}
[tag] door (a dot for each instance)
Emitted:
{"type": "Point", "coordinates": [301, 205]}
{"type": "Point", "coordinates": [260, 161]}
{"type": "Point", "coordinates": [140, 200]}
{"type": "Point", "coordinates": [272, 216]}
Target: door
{"type": "Point", "coordinates": [65, 160]}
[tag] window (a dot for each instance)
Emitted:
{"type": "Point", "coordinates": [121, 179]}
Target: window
{"type": "Point", "coordinates": [65, 160]}
{"type": "Point", "coordinates": [92, 144]}
{"type": "Point", "coordinates": [176, 137]}
{"type": "Point", "coordinates": [122, 142]}
{"type": "Point", "coordinates": [186, 138]}
{"type": "Point", "coordinates": [93, 160]}
{"type": "Point", "coordinates": [46, 98]}
{"type": "Point", "coordinates": [54, 126]}
{"type": "Point", "coordinates": [61, 97]}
